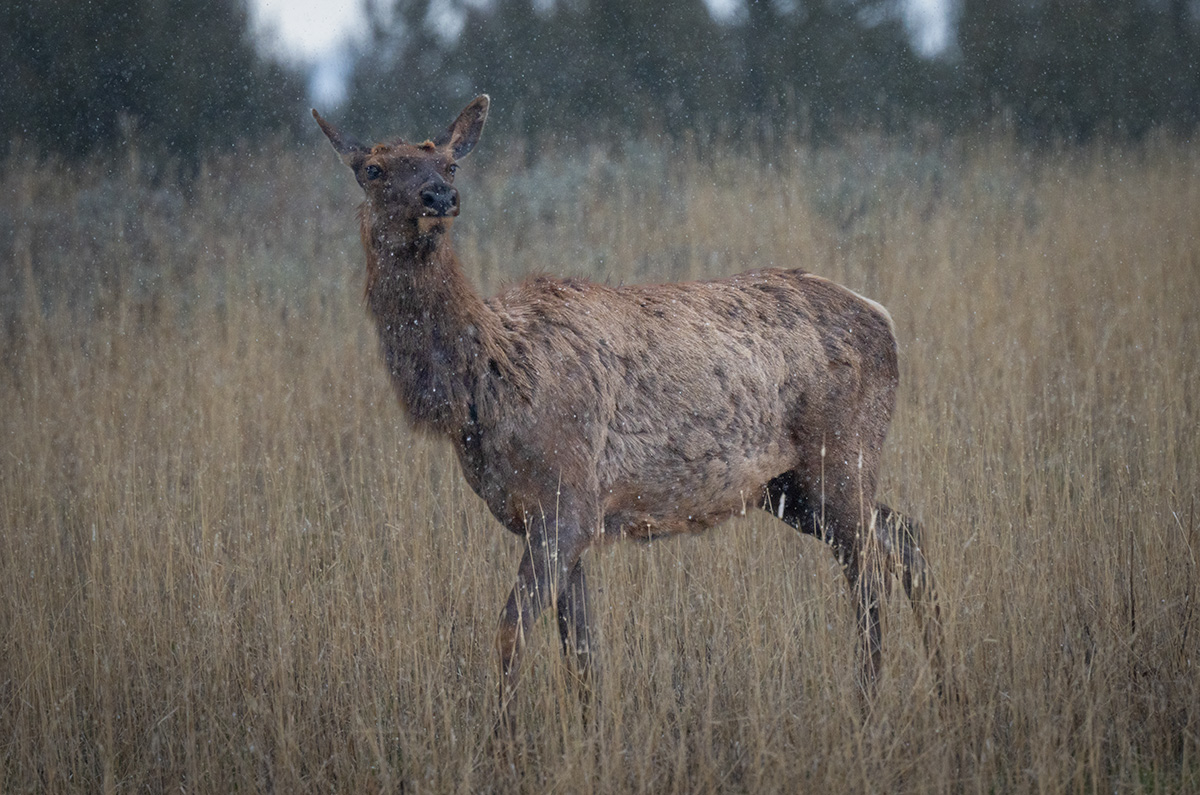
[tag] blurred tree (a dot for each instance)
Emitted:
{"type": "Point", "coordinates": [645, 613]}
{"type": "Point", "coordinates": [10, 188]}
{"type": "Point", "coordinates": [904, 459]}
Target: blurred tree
{"type": "Point", "coordinates": [566, 67]}
{"type": "Point", "coordinates": [836, 63]}
{"type": "Point", "coordinates": [594, 66]}
{"type": "Point", "coordinates": [400, 73]}
{"type": "Point", "coordinates": [1071, 69]}
{"type": "Point", "coordinates": [1059, 69]}
{"type": "Point", "coordinates": [182, 75]}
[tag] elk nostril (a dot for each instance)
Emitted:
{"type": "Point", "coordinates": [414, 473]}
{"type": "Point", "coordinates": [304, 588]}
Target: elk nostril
{"type": "Point", "coordinates": [440, 199]}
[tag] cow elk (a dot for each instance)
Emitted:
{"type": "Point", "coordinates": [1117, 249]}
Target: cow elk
{"type": "Point", "coordinates": [583, 413]}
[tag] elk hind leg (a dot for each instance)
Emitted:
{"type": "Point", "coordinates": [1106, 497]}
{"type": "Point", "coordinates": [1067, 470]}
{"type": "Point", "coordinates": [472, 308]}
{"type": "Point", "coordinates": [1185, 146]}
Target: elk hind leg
{"type": "Point", "coordinates": [904, 537]}
{"type": "Point", "coordinates": [866, 572]}
{"type": "Point", "coordinates": [834, 518]}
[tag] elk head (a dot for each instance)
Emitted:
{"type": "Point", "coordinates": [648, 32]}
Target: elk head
{"type": "Point", "coordinates": [409, 188]}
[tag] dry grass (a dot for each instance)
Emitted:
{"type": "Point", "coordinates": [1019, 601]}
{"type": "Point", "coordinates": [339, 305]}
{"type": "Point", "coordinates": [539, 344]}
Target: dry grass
{"type": "Point", "coordinates": [227, 564]}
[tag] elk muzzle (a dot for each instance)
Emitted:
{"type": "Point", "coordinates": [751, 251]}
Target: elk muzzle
{"type": "Point", "coordinates": [440, 199]}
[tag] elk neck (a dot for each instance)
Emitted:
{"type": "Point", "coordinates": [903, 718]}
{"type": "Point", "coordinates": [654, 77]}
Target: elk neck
{"type": "Point", "coordinates": [434, 329]}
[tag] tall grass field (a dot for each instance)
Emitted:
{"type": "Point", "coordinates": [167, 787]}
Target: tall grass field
{"type": "Point", "coordinates": [228, 565]}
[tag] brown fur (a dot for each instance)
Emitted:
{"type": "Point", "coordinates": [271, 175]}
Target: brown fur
{"type": "Point", "coordinates": [583, 413]}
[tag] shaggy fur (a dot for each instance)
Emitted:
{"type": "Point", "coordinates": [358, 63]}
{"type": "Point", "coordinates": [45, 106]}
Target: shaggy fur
{"type": "Point", "coordinates": [582, 413]}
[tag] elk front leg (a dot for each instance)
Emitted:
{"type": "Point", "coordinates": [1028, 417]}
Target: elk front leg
{"type": "Point", "coordinates": [573, 629]}
{"type": "Point", "coordinates": [545, 571]}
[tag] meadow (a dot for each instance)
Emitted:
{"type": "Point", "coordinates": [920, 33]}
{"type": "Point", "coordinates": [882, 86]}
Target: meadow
{"type": "Point", "coordinates": [228, 565]}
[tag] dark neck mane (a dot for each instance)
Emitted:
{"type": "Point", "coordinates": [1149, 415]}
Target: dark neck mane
{"type": "Point", "coordinates": [437, 335]}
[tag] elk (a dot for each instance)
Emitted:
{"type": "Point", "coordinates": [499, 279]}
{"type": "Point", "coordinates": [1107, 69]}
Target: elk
{"type": "Point", "coordinates": [583, 413]}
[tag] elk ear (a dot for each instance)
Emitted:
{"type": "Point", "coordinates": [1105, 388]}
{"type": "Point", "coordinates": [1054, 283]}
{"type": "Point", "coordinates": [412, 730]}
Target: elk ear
{"type": "Point", "coordinates": [351, 150]}
{"type": "Point", "coordinates": [463, 134]}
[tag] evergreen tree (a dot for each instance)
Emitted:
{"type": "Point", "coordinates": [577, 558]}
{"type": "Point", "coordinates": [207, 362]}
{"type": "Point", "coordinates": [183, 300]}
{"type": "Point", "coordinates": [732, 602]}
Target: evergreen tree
{"type": "Point", "coordinates": [1073, 69]}
{"type": "Point", "coordinates": [183, 74]}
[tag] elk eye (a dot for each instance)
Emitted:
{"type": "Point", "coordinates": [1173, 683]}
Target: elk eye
{"type": "Point", "coordinates": [453, 168]}
{"type": "Point", "coordinates": [374, 172]}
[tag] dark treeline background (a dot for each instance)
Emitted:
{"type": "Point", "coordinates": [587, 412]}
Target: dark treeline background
{"type": "Point", "coordinates": [185, 76]}
{"type": "Point", "coordinates": [179, 76]}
